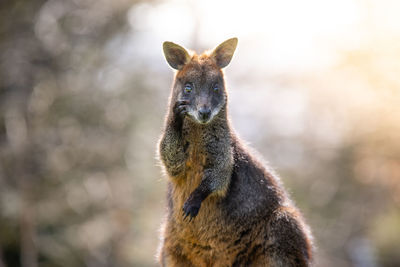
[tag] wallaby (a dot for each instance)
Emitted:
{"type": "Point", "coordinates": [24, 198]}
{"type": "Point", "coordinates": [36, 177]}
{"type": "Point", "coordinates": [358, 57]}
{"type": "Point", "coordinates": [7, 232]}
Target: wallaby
{"type": "Point", "coordinates": [225, 208]}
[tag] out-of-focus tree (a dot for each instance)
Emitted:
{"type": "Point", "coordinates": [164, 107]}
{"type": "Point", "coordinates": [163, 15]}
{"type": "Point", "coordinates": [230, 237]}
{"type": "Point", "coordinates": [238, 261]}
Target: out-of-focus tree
{"type": "Point", "coordinates": [65, 189]}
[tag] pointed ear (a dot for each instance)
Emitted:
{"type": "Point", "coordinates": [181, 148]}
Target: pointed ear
{"type": "Point", "coordinates": [175, 55]}
{"type": "Point", "coordinates": [224, 52]}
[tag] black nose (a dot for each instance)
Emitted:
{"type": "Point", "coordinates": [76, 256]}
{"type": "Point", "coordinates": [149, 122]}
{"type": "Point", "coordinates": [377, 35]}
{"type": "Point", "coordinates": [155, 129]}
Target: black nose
{"type": "Point", "coordinates": [204, 113]}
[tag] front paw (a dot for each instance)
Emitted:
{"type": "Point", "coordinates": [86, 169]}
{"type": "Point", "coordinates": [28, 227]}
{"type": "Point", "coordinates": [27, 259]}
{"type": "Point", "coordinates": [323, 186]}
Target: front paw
{"type": "Point", "coordinates": [181, 108]}
{"type": "Point", "coordinates": [191, 208]}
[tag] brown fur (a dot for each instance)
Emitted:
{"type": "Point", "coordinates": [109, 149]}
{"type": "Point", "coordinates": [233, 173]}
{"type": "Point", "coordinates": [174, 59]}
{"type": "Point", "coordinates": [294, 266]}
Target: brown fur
{"type": "Point", "coordinates": [245, 217]}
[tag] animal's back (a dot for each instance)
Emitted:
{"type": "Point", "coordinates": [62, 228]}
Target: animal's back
{"type": "Point", "coordinates": [272, 230]}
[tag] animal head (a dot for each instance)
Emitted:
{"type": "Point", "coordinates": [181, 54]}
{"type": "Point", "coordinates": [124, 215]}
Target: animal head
{"type": "Point", "coordinates": [199, 78]}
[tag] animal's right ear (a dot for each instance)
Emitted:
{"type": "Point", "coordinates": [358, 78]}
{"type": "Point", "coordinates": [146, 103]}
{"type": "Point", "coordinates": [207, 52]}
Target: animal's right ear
{"type": "Point", "coordinates": [175, 55]}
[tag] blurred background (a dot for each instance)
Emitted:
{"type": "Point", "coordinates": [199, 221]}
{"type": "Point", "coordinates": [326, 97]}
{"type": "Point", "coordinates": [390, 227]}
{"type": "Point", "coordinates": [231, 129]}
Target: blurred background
{"type": "Point", "coordinates": [314, 86]}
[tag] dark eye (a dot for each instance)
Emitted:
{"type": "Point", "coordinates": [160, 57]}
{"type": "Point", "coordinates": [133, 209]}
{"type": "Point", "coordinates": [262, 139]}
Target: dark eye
{"type": "Point", "coordinates": [216, 87]}
{"type": "Point", "coordinates": [188, 88]}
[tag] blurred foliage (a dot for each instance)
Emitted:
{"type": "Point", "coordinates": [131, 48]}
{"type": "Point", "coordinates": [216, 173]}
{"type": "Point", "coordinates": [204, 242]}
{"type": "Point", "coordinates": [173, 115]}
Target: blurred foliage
{"type": "Point", "coordinates": [67, 197]}
{"type": "Point", "coordinates": [83, 91]}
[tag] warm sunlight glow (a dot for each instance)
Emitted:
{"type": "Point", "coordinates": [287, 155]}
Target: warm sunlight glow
{"type": "Point", "coordinates": [292, 33]}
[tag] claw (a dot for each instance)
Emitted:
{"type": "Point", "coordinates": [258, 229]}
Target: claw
{"type": "Point", "coordinates": [182, 102]}
{"type": "Point", "coordinates": [185, 215]}
{"type": "Point", "coordinates": [191, 209]}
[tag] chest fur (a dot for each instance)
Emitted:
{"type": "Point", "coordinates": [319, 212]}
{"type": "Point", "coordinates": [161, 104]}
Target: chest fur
{"type": "Point", "coordinates": [206, 235]}
{"type": "Point", "coordinates": [201, 147]}
{"type": "Point", "coordinates": [193, 172]}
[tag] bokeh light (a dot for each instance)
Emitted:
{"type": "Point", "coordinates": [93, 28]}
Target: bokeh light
{"type": "Point", "coordinates": [314, 86]}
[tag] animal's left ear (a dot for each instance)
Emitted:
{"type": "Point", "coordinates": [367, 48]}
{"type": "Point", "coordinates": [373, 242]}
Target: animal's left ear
{"type": "Point", "coordinates": [224, 52]}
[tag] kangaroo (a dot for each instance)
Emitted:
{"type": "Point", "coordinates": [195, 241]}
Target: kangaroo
{"type": "Point", "coordinates": [225, 207]}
